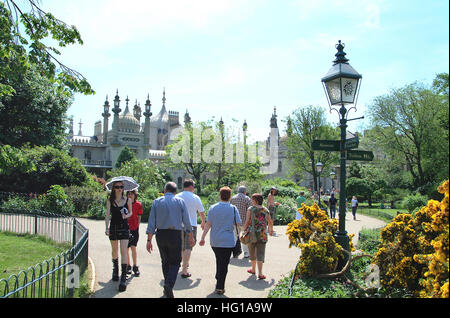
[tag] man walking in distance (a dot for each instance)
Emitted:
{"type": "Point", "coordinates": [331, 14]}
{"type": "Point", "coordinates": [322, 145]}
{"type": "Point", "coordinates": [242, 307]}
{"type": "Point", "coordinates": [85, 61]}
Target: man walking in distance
{"type": "Point", "coordinates": [194, 205]}
{"type": "Point", "coordinates": [167, 217]}
{"type": "Point", "coordinates": [242, 202]}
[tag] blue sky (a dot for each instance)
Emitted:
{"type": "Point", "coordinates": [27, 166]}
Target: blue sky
{"type": "Point", "coordinates": [240, 58]}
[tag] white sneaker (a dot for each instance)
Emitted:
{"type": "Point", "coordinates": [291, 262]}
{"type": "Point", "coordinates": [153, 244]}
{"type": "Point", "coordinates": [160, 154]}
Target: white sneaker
{"type": "Point", "coordinates": [246, 255]}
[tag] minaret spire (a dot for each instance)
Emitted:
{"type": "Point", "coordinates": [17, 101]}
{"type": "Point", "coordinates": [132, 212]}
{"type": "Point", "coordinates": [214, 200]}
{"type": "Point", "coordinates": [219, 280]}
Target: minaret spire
{"type": "Point", "coordinates": [164, 97]}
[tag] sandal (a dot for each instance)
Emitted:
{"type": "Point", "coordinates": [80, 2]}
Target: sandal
{"type": "Point", "coordinates": [261, 277]}
{"type": "Point", "coordinates": [250, 271]}
{"type": "Point", "coordinates": [186, 275]}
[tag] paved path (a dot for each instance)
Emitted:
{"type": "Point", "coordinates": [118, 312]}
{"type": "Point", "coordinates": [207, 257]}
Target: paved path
{"type": "Point", "coordinates": [280, 260]}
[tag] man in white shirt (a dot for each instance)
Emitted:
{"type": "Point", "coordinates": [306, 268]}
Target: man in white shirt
{"type": "Point", "coordinates": [194, 205]}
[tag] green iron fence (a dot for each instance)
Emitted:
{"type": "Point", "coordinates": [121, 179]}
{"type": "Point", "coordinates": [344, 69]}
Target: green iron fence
{"type": "Point", "coordinates": [53, 278]}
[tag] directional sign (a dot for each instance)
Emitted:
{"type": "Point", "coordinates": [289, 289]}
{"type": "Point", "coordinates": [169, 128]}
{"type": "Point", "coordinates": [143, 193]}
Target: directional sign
{"type": "Point", "coordinates": [359, 155]}
{"type": "Point", "coordinates": [351, 143]}
{"type": "Point", "coordinates": [327, 145]}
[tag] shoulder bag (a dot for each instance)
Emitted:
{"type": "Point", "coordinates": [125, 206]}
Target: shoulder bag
{"type": "Point", "coordinates": [249, 235]}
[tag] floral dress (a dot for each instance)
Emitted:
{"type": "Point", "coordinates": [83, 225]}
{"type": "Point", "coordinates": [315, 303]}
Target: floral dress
{"type": "Point", "coordinates": [259, 215]}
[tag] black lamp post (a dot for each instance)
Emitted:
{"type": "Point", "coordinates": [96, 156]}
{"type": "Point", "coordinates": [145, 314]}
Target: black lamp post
{"type": "Point", "coordinates": [341, 85]}
{"type": "Point", "coordinates": [319, 167]}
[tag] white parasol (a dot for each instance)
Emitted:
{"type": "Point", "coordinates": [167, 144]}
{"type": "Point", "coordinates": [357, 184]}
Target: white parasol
{"type": "Point", "coordinates": [128, 182]}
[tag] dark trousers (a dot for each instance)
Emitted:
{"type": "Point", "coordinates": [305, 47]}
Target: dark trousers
{"type": "Point", "coordinates": [223, 255]}
{"type": "Point", "coordinates": [169, 245]}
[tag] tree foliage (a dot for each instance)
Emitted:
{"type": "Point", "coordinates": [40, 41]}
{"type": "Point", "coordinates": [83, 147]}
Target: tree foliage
{"type": "Point", "coordinates": [305, 125]}
{"type": "Point", "coordinates": [125, 155]}
{"type": "Point", "coordinates": [24, 31]}
{"type": "Point", "coordinates": [37, 169]}
{"type": "Point", "coordinates": [411, 129]}
{"type": "Point", "coordinates": [35, 113]}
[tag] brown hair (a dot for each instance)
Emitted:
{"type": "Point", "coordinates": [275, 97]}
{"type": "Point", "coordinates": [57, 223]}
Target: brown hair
{"type": "Point", "coordinates": [188, 182]}
{"type": "Point", "coordinates": [225, 193]}
{"type": "Point", "coordinates": [258, 198]}
{"type": "Point", "coordinates": [135, 194]}
{"type": "Point", "coordinates": [112, 196]}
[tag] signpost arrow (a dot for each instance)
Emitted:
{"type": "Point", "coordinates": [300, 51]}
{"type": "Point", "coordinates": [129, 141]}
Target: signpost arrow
{"type": "Point", "coordinates": [360, 155]}
{"type": "Point", "coordinates": [328, 145]}
{"type": "Point", "coordinates": [351, 143]}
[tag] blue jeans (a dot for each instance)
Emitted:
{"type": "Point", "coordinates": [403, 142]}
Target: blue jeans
{"type": "Point", "coordinates": [332, 211]}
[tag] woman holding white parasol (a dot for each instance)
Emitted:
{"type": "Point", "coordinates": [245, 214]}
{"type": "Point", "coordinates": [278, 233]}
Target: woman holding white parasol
{"type": "Point", "coordinates": [118, 210]}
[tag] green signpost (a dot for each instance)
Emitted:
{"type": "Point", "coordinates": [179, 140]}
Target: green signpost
{"type": "Point", "coordinates": [351, 143]}
{"type": "Point", "coordinates": [360, 155]}
{"type": "Point", "coordinates": [326, 145]}
{"type": "Point", "coordinates": [334, 145]}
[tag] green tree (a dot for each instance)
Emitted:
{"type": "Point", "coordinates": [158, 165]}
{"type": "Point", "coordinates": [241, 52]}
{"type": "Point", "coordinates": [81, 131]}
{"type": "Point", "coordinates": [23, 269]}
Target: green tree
{"type": "Point", "coordinates": [146, 173]}
{"type": "Point", "coordinates": [37, 169]}
{"type": "Point", "coordinates": [19, 51]}
{"type": "Point", "coordinates": [35, 113]}
{"type": "Point", "coordinates": [308, 124]}
{"type": "Point", "coordinates": [186, 152]}
{"type": "Point", "coordinates": [410, 129]}
{"type": "Point", "coordinates": [125, 155]}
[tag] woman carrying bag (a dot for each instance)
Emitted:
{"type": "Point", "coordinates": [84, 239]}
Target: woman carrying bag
{"type": "Point", "coordinates": [255, 233]}
{"type": "Point", "coordinates": [222, 218]}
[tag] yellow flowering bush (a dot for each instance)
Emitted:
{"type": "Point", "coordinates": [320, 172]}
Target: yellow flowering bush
{"type": "Point", "coordinates": [314, 235]}
{"type": "Point", "coordinates": [414, 251]}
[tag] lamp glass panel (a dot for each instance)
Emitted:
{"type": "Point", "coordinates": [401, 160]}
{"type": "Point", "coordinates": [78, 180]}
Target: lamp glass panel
{"type": "Point", "coordinates": [349, 88]}
{"type": "Point", "coordinates": [334, 91]}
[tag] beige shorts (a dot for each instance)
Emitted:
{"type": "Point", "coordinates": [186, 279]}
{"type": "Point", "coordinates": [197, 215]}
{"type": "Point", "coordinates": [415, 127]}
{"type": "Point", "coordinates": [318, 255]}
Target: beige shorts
{"type": "Point", "coordinates": [185, 239]}
{"type": "Point", "coordinates": [257, 251]}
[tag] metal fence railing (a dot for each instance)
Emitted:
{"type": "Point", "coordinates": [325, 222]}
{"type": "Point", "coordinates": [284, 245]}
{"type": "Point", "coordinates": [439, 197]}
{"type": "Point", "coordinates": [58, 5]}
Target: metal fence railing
{"type": "Point", "coordinates": [51, 278]}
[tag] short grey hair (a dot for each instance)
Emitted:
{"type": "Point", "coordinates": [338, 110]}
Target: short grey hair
{"type": "Point", "coordinates": [242, 189]}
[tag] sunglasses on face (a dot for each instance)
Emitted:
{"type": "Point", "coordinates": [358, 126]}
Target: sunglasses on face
{"type": "Point", "coordinates": [119, 187]}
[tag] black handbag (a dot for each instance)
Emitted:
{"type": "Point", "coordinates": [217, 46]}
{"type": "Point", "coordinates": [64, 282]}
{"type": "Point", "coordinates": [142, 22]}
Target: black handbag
{"type": "Point", "coordinates": [237, 250]}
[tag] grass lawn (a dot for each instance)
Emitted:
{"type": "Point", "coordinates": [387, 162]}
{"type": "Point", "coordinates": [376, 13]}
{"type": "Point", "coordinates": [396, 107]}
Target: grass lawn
{"type": "Point", "coordinates": [19, 252]}
{"type": "Point", "coordinates": [383, 214]}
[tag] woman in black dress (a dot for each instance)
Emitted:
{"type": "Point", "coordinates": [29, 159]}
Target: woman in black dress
{"type": "Point", "coordinates": [118, 210]}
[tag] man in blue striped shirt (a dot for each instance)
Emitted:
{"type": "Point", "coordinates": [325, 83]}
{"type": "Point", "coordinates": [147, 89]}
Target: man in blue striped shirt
{"type": "Point", "coordinates": [168, 218]}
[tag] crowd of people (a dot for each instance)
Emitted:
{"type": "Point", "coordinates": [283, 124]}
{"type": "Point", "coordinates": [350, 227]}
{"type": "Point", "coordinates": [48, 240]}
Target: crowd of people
{"type": "Point", "coordinates": [173, 222]}
{"type": "Point", "coordinates": [327, 201]}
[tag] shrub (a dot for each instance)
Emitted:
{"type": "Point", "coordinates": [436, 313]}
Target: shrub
{"type": "Point", "coordinates": [414, 250]}
{"type": "Point", "coordinates": [86, 199]}
{"type": "Point", "coordinates": [286, 211]}
{"type": "Point", "coordinates": [314, 235]}
{"type": "Point", "coordinates": [56, 201]}
{"type": "Point", "coordinates": [146, 198]}
{"type": "Point", "coordinates": [414, 202]}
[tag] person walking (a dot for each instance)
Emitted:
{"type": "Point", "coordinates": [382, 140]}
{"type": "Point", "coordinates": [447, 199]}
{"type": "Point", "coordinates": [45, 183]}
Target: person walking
{"type": "Point", "coordinates": [354, 207]}
{"type": "Point", "coordinates": [332, 203]}
{"type": "Point", "coordinates": [133, 222]}
{"type": "Point", "coordinates": [300, 200]}
{"type": "Point", "coordinates": [194, 205]}
{"type": "Point", "coordinates": [118, 210]}
{"type": "Point", "coordinates": [167, 218]}
{"type": "Point", "coordinates": [242, 202]}
{"type": "Point", "coordinates": [221, 219]}
{"type": "Point", "coordinates": [259, 218]}
{"type": "Point", "coordinates": [272, 204]}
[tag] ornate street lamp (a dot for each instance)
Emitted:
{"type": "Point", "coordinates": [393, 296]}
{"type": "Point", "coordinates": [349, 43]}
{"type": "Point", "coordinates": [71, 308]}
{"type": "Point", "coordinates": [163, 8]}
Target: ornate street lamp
{"type": "Point", "coordinates": [332, 175]}
{"type": "Point", "coordinates": [341, 85]}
